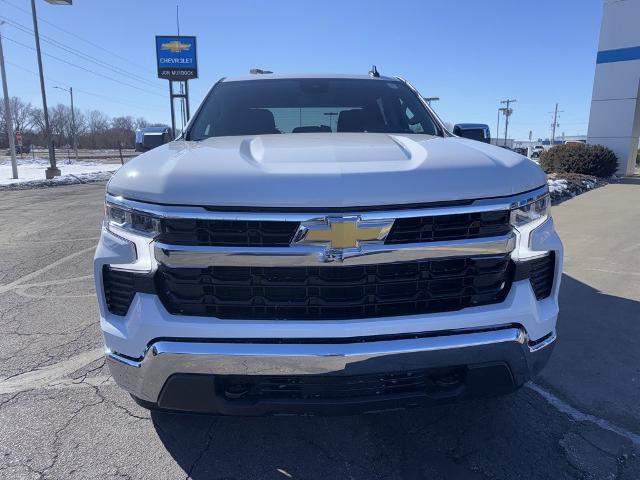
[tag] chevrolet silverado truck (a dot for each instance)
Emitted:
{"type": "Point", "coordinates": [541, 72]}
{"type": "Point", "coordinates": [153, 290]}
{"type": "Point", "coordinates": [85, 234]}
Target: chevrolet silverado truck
{"type": "Point", "coordinates": [322, 244]}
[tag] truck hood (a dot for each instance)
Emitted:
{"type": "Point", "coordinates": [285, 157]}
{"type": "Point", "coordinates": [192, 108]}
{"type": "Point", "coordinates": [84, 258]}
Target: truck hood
{"type": "Point", "coordinates": [312, 170]}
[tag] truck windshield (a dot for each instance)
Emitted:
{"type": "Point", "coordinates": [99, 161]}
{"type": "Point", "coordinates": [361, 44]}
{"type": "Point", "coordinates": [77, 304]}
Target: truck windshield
{"type": "Point", "coordinates": [277, 106]}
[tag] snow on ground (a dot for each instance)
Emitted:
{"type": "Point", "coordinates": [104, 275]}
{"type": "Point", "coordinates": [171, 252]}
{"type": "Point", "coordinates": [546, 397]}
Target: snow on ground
{"type": "Point", "coordinates": [563, 186]}
{"type": "Point", "coordinates": [557, 185]}
{"type": "Point", "coordinates": [31, 173]}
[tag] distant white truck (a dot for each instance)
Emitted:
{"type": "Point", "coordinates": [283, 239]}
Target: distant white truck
{"type": "Point", "coordinates": [537, 150]}
{"type": "Point", "coordinates": [322, 243]}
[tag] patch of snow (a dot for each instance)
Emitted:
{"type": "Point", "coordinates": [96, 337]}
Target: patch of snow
{"type": "Point", "coordinates": [557, 185]}
{"type": "Point", "coordinates": [31, 172]}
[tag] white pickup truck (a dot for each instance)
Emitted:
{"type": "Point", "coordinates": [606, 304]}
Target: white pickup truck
{"type": "Point", "coordinates": [319, 244]}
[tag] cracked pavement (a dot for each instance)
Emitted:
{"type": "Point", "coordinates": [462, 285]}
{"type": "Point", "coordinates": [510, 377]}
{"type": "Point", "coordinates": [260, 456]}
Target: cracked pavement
{"type": "Point", "coordinates": [62, 417]}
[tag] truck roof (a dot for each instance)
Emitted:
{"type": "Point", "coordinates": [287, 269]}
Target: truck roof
{"type": "Point", "coordinates": [274, 76]}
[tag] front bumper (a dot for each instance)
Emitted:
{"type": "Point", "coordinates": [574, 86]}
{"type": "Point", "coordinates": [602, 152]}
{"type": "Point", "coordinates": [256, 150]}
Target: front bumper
{"type": "Point", "coordinates": [181, 375]}
{"type": "Point", "coordinates": [179, 361]}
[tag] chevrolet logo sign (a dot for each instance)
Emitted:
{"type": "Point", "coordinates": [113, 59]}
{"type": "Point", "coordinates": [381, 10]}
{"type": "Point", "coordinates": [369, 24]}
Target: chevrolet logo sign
{"type": "Point", "coordinates": [175, 46]}
{"type": "Point", "coordinates": [339, 233]}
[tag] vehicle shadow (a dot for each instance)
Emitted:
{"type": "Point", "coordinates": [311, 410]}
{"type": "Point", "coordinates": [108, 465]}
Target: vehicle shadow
{"type": "Point", "coordinates": [516, 436]}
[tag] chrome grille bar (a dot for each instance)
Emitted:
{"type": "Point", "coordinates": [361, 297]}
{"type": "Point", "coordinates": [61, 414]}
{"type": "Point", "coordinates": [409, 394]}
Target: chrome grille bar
{"type": "Point", "coordinates": [175, 256]}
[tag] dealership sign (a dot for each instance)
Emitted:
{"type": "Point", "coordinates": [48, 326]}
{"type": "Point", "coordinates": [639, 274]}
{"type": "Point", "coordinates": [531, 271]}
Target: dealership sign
{"type": "Point", "coordinates": [176, 57]}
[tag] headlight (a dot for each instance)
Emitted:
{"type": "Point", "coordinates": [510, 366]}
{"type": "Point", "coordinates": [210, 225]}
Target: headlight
{"type": "Point", "coordinates": [535, 210]}
{"type": "Point", "coordinates": [131, 220]}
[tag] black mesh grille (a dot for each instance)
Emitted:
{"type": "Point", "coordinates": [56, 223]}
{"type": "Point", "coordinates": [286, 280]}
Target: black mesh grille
{"type": "Point", "coordinates": [119, 289]}
{"type": "Point", "coordinates": [229, 233]}
{"type": "Point", "coordinates": [330, 292]}
{"type": "Point", "coordinates": [541, 275]}
{"type": "Point", "coordinates": [449, 227]}
{"type": "Point", "coordinates": [256, 233]}
{"type": "Point", "coordinates": [311, 387]}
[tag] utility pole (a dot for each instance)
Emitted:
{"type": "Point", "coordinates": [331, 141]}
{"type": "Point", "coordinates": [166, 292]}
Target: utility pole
{"type": "Point", "coordinates": [507, 114]}
{"type": "Point", "coordinates": [53, 170]}
{"type": "Point", "coordinates": [430, 99]}
{"type": "Point", "coordinates": [73, 121]}
{"type": "Point", "coordinates": [555, 124]}
{"type": "Point", "coordinates": [7, 112]}
{"type": "Point", "coordinates": [498, 125]}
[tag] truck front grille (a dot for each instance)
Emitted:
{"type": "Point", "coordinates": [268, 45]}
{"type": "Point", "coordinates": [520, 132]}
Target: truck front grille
{"type": "Point", "coordinates": [261, 233]}
{"type": "Point", "coordinates": [459, 226]}
{"type": "Point", "coordinates": [227, 233]}
{"type": "Point", "coordinates": [335, 292]}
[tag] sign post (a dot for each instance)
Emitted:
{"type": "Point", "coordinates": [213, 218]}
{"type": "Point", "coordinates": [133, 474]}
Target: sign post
{"type": "Point", "coordinates": [177, 61]}
{"type": "Point", "coordinates": [19, 142]}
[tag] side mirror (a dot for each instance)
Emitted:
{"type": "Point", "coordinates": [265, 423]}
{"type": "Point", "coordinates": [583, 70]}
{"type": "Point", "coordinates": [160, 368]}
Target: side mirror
{"type": "Point", "coordinates": [473, 131]}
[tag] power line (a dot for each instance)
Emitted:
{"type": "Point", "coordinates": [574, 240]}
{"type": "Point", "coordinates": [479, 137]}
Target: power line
{"type": "Point", "coordinates": [89, 42]}
{"type": "Point", "coordinates": [84, 56]}
{"type": "Point", "coordinates": [53, 80]}
{"type": "Point", "coordinates": [93, 94]}
{"type": "Point", "coordinates": [83, 68]}
{"type": "Point", "coordinates": [111, 99]}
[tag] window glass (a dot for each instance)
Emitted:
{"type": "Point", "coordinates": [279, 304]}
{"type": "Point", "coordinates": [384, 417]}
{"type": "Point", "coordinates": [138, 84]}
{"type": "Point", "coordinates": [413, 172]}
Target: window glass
{"type": "Point", "coordinates": [277, 106]}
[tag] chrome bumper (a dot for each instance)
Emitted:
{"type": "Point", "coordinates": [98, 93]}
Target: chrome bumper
{"type": "Point", "coordinates": [146, 377]}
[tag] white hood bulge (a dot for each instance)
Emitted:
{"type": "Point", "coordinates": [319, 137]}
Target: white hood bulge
{"type": "Point", "coordinates": [324, 170]}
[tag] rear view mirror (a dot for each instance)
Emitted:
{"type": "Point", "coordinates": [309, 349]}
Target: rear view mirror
{"type": "Point", "coordinates": [473, 131]}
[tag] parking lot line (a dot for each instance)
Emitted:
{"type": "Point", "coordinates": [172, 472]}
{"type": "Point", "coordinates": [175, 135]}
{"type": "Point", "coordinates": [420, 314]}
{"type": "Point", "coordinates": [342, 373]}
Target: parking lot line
{"type": "Point", "coordinates": [579, 416]}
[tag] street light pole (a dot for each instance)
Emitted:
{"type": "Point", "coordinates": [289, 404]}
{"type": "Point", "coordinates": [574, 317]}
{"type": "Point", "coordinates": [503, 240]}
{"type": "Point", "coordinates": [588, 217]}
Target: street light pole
{"type": "Point", "coordinates": [52, 170]}
{"type": "Point", "coordinates": [7, 113]}
{"type": "Point", "coordinates": [73, 121]}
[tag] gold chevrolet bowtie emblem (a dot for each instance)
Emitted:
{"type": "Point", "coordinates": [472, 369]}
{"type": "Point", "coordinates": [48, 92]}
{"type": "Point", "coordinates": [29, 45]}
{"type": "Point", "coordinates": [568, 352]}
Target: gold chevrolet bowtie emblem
{"type": "Point", "coordinates": [343, 232]}
{"type": "Point", "coordinates": [175, 46]}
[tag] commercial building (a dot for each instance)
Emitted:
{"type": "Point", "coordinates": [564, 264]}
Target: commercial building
{"type": "Point", "coordinates": [614, 120]}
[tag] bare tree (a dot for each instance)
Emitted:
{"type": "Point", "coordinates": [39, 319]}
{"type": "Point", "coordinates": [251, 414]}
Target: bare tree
{"type": "Point", "coordinates": [60, 123]}
{"type": "Point", "coordinates": [37, 120]}
{"type": "Point", "coordinates": [141, 123]}
{"type": "Point", "coordinates": [82, 126]}
{"type": "Point", "coordinates": [123, 131]}
{"type": "Point", "coordinates": [20, 114]}
{"type": "Point", "coordinates": [93, 128]}
{"type": "Point", "coordinates": [97, 125]}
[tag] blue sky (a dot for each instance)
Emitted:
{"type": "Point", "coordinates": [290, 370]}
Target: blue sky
{"type": "Point", "coordinates": [470, 53]}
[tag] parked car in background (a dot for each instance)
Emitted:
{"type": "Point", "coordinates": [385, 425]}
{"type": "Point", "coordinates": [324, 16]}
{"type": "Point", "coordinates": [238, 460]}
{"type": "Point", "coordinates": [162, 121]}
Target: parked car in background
{"type": "Point", "coordinates": [520, 150]}
{"type": "Point", "coordinates": [537, 151]}
{"type": "Point", "coordinates": [474, 131]}
{"type": "Point", "coordinates": [148, 138]}
{"type": "Point", "coordinates": [21, 149]}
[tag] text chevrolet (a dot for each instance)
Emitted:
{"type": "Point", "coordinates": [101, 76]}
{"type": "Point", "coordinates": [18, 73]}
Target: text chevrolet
{"type": "Point", "coordinates": [322, 244]}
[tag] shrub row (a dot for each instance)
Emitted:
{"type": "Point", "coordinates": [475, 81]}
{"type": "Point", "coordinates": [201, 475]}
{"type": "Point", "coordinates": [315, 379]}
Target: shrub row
{"type": "Point", "coordinates": [580, 158]}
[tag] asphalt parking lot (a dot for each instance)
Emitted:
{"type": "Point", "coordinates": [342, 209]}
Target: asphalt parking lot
{"type": "Point", "coordinates": [61, 416]}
